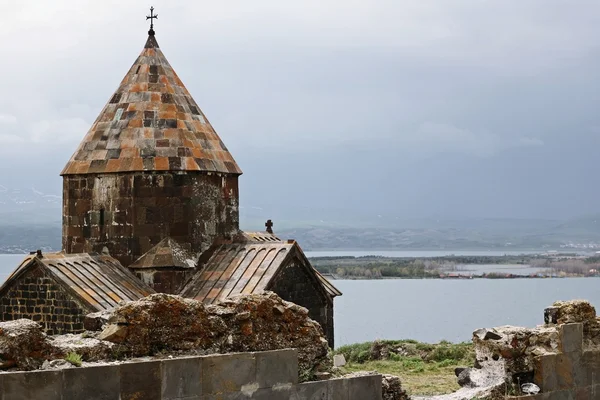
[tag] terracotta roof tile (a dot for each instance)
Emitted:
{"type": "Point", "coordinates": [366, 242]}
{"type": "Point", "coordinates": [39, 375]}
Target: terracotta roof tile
{"type": "Point", "coordinates": [151, 105]}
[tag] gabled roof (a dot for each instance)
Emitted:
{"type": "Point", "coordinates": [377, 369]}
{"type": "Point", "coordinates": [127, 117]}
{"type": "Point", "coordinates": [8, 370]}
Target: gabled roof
{"type": "Point", "coordinates": [244, 268]}
{"type": "Point", "coordinates": [260, 237]}
{"type": "Point", "coordinates": [166, 254]}
{"type": "Point", "coordinates": [97, 280]}
{"type": "Point", "coordinates": [151, 123]}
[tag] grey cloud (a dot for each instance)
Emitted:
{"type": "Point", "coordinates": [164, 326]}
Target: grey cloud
{"type": "Point", "coordinates": [375, 105]}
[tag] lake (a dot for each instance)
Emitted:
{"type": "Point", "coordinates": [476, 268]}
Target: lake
{"type": "Point", "coordinates": [430, 310]}
{"type": "Point", "coordinates": [420, 253]}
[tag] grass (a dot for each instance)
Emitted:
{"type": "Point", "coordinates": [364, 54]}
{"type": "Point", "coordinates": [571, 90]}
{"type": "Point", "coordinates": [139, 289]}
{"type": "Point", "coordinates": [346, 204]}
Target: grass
{"type": "Point", "coordinates": [74, 359]}
{"type": "Point", "coordinates": [425, 369]}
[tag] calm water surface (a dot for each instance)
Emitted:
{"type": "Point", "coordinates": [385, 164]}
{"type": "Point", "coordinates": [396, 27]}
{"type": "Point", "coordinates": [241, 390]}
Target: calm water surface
{"type": "Point", "coordinates": [420, 253]}
{"type": "Point", "coordinates": [430, 310]}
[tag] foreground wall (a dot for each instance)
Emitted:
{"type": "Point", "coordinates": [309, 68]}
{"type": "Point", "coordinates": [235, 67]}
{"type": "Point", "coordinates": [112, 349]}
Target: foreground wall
{"type": "Point", "coordinates": [572, 372]}
{"type": "Point", "coordinates": [271, 375]}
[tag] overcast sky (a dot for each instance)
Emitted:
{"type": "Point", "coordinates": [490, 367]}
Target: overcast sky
{"type": "Point", "coordinates": [410, 108]}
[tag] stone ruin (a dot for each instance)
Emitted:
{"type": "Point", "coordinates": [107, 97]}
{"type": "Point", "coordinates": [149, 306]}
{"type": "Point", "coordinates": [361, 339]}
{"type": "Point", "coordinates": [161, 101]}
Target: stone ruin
{"type": "Point", "coordinates": [560, 359]}
{"type": "Point", "coordinates": [557, 360]}
{"type": "Point", "coordinates": [166, 326]}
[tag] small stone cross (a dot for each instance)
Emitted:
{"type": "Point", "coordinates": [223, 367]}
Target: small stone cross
{"type": "Point", "coordinates": [269, 225]}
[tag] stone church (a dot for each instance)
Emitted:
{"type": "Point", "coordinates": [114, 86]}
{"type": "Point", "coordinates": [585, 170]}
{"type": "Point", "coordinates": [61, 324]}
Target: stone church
{"type": "Point", "coordinates": [151, 204]}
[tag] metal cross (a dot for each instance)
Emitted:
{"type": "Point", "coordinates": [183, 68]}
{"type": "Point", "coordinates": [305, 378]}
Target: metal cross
{"type": "Point", "coordinates": [269, 226]}
{"type": "Point", "coordinates": [151, 17]}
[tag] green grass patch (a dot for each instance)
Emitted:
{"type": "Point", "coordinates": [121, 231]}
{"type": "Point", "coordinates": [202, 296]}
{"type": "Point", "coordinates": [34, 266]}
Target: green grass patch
{"type": "Point", "coordinates": [425, 369]}
{"type": "Point", "coordinates": [74, 359]}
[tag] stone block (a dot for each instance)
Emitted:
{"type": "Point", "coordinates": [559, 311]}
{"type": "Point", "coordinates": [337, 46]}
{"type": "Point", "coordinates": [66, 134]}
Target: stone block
{"type": "Point", "coordinates": [545, 372]}
{"type": "Point", "coordinates": [584, 393]}
{"type": "Point", "coordinates": [571, 338]}
{"type": "Point", "coordinates": [141, 380]}
{"type": "Point", "coordinates": [312, 390]}
{"type": "Point", "coordinates": [38, 385]}
{"type": "Point", "coordinates": [93, 383]}
{"type": "Point", "coordinates": [338, 389]}
{"type": "Point", "coordinates": [276, 367]}
{"type": "Point", "coordinates": [339, 360]}
{"type": "Point", "coordinates": [365, 387]}
{"type": "Point", "coordinates": [228, 373]}
{"type": "Point", "coordinates": [564, 372]}
{"type": "Point", "coordinates": [284, 392]}
{"type": "Point", "coordinates": [561, 395]}
{"type": "Point", "coordinates": [181, 378]}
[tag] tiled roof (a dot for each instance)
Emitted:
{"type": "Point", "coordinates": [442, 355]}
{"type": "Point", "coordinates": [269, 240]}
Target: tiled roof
{"type": "Point", "coordinates": [98, 280]}
{"type": "Point", "coordinates": [167, 253]}
{"type": "Point", "coordinates": [151, 123]}
{"type": "Point", "coordinates": [242, 268]}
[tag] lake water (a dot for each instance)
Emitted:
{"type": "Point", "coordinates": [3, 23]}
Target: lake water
{"type": "Point", "coordinates": [421, 253]}
{"type": "Point", "coordinates": [430, 310]}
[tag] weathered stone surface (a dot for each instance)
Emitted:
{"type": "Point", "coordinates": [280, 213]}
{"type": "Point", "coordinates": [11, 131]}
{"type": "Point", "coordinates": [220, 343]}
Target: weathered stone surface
{"type": "Point", "coordinates": [24, 345]}
{"type": "Point", "coordinates": [339, 360]}
{"type": "Point", "coordinates": [164, 322]}
{"type": "Point", "coordinates": [181, 378]}
{"type": "Point", "coordinates": [89, 348]}
{"type": "Point", "coordinates": [464, 378]}
{"type": "Point", "coordinates": [276, 368]}
{"type": "Point", "coordinates": [96, 321]}
{"type": "Point", "coordinates": [517, 348]}
{"type": "Point", "coordinates": [573, 311]}
{"type": "Point", "coordinates": [487, 334]}
{"type": "Point", "coordinates": [391, 388]}
{"type": "Point", "coordinates": [98, 383]}
{"type": "Point", "coordinates": [56, 364]}
{"type": "Point", "coordinates": [45, 385]}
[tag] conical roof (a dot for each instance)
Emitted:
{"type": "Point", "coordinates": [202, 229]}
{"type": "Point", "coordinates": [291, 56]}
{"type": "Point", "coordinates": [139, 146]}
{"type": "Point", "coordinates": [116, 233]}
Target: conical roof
{"type": "Point", "coordinates": [151, 123]}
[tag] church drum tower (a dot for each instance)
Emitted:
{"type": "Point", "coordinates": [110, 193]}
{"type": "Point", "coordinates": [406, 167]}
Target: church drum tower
{"type": "Point", "coordinates": [150, 167]}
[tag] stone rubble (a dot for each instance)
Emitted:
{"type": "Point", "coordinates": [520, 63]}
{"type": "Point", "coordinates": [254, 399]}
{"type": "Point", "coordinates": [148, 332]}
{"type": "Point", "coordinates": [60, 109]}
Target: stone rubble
{"type": "Point", "coordinates": [166, 323]}
{"type": "Point", "coordinates": [24, 345]}
{"type": "Point", "coordinates": [391, 388]}
{"type": "Point", "coordinates": [163, 324]}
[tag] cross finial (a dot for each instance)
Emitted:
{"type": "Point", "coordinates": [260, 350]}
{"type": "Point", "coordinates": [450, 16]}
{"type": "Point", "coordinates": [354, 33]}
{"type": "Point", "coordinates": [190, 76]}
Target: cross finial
{"type": "Point", "coordinates": [269, 225]}
{"type": "Point", "coordinates": [151, 17]}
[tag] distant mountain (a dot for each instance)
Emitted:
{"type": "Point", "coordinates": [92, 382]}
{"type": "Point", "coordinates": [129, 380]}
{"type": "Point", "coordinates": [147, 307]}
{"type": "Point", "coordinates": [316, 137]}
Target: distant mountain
{"type": "Point", "coordinates": [31, 219]}
{"type": "Point", "coordinates": [28, 205]}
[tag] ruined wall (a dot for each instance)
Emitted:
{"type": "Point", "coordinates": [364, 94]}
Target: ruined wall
{"type": "Point", "coordinates": [572, 372]}
{"type": "Point", "coordinates": [293, 283]}
{"type": "Point", "coordinates": [129, 213]}
{"type": "Point", "coordinates": [270, 375]}
{"type": "Point", "coordinates": [36, 296]}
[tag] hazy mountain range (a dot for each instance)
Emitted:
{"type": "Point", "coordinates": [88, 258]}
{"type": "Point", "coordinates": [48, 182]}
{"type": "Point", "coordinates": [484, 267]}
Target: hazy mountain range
{"type": "Point", "coordinates": [30, 219]}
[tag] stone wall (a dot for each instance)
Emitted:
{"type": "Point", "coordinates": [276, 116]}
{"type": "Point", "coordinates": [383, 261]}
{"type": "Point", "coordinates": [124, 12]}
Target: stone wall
{"type": "Point", "coordinates": [571, 372]}
{"type": "Point", "coordinates": [129, 213]}
{"type": "Point", "coordinates": [293, 283]}
{"type": "Point", "coordinates": [38, 297]}
{"type": "Point", "coordinates": [271, 375]}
